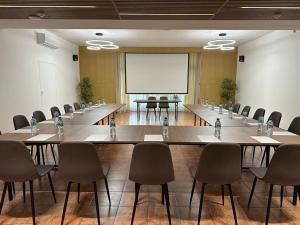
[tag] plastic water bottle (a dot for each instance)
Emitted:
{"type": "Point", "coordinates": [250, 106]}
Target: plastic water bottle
{"type": "Point", "coordinates": [33, 125]}
{"type": "Point", "coordinates": [270, 128]}
{"type": "Point", "coordinates": [71, 112]}
{"type": "Point", "coordinates": [213, 106]}
{"type": "Point", "coordinates": [230, 110]}
{"type": "Point", "coordinates": [220, 109]}
{"type": "Point", "coordinates": [166, 127]}
{"type": "Point", "coordinates": [260, 124]}
{"type": "Point", "coordinates": [218, 128]}
{"type": "Point", "coordinates": [206, 102]}
{"type": "Point", "coordinates": [60, 126]}
{"type": "Point", "coordinates": [244, 117]}
{"type": "Point", "coordinates": [112, 128]}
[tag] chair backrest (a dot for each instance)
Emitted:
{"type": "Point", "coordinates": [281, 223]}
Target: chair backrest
{"type": "Point", "coordinates": [39, 116]}
{"type": "Point", "coordinates": [295, 126]}
{"type": "Point", "coordinates": [77, 106]}
{"type": "Point", "coordinates": [55, 110]}
{"type": "Point", "coordinates": [151, 164]}
{"type": "Point", "coordinates": [236, 108]}
{"type": "Point", "coordinates": [16, 163]}
{"type": "Point", "coordinates": [284, 167]}
{"type": "Point", "coordinates": [246, 110]}
{"type": "Point", "coordinates": [163, 104]}
{"type": "Point", "coordinates": [220, 163]}
{"type": "Point", "coordinates": [275, 117]}
{"type": "Point", "coordinates": [151, 104]}
{"type": "Point", "coordinates": [20, 121]}
{"type": "Point", "coordinates": [258, 113]}
{"type": "Point", "coordinates": [79, 162]}
{"type": "Point", "coordinates": [67, 108]}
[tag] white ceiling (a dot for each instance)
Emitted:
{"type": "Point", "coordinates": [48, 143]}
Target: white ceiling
{"type": "Point", "coordinates": [156, 38]}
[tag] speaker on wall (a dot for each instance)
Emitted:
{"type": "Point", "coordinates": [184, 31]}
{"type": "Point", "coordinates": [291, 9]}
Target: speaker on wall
{"type": "Point", "coordinates": [75, 58]}
{"type": "Point", "coordinates": [241, 58]}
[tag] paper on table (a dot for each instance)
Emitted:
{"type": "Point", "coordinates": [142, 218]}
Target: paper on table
{"type": "Point", "coordinates": [238, 117]}
{"type": "Point", "coordinates": [208, 138]}
{"type": "Point", "coordinates": [22, 131]}
{"type": "Point", "coordinates": [283, 133]}
{"type": "Point", "coordinates": [265, 139]}
{"type": "Point", "coordinates": [78, 112]}
{"type": "Point", "coordinates": [41, 137]}
{"type": "Point", "coordinates": [65, 117]}
{"type": "Point", "coordinates": [153, 137]}
{"type": "Point", "coordinates": [48, 122]}
{"type": "Point", "coordinates": [96, 137]}
{"type": "Point", "coordinates": [252, 124]}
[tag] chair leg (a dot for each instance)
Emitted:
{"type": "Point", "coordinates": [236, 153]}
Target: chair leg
{"type": "Point", "coordinates": [166, 192]}
{"type": "Point", "coordinates": [31, 150]}
{"type": "Point", "coordinates": [32, 201]}
{"type": "Point", "coordinates": [162, 195]}
{"type": "Point", "coordinates": [262, 160]}
{"type": "Point", "coordinates": [269, 204]}
{"type": "Point", "coordinates": [253, 154]}
{"type": "Point", "coordinates": [281, 195]}
{"type": "Point", "coordinates": [252, 191]}
{"type": "Point", "coordinates": [97, 203]}
{"type": "Point", "coordinates": [107, 190]}
{"type": "Point", "coordinates": [201, 202]}
{"type": "Point", "coordinates": [13, 187]}
{"type": "Point", "coordinates": [78, 192]}
{"type": "Point", "coordinates": [232, 204]}
{"type": "Point", "coordinates": [53, 154]}
{"type": "Point", "coordinates": [168, 112]}
{"type": "Point", "coordinates": [43, 156]}
{"type": "Point", "coordinates": [159, 113]}
{"type": "Point", "coordinates": [137, 190]}
{"type": "Point", "coordinates": [3, 196]}
{"type": "Point", "coordinates": [52, 187]}
{"type": "Point", "coordinates": [222, 191]}
{"type": "Point", "coordinates": [147, 115]}
{"type": "Point", "coordinates": [24, 192]}
{"type": "Point", "coordinates": [155, 113]}
{"type": "Point", "coordinates": [66, 203]}
{"type": "Point", "coordinates": [192, 192]}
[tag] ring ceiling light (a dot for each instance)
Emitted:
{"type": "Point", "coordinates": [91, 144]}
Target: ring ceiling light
{"type": "Point", "coordinates": [222, 44]}
{"type": "Point", "coordinates": [110, 46]}
{"type": "Point", "coordinates": [93, 47]}
{"type": "Point", "coordinates": [97, 44]}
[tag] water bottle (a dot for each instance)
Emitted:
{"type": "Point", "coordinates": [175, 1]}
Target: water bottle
{"type": "Point", "coordinates": [270, 128]}
{"type": "Point", "coordinates": [220, 109]}
{"type": "Point", "coordinates": [244, 114]}
{"type": "Point", "coordinates": [60, 126]}
{"type": "Point", "coordinates": [71, 112]}
{"type": "Point", "coordinates": [213, 106]}
{"type": "Point", "coordinates": [206, 102]}
{"type": "Point", "coordinates": [33, 125]}
{"type": "Point", "coordinates": [83, 107]}
{"type": "Point", "coordinates": [230, 109]}
{"type": "Point", "coordinates": [112, 128]}
{"type": "Point", "coordinates": [260, 124]}
{"type": "Point", "coordinates": [218, 128]}
{"type": "Point", "coordinates": [166, 127]}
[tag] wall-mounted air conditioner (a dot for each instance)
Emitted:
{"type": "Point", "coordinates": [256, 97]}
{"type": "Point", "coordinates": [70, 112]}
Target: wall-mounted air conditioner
{"type": "Point", "coordinates": [44, 40]}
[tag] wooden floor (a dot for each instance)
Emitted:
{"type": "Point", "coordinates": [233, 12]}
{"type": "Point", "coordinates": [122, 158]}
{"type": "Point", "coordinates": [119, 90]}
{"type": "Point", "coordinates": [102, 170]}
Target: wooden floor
{"type": "Point", "coordinates": [150, 210]}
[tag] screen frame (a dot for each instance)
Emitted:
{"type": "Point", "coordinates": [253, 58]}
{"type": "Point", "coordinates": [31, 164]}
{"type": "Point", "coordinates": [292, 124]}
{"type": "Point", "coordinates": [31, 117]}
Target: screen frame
{"type": "Point", "coordinates": [146, 93]}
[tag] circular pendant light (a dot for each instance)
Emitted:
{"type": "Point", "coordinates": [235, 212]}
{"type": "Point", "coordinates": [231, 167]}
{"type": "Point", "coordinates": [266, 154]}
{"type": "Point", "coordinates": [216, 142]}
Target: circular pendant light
{"type": "Point", "coordinates": [99, 42]}
{"type": "Point", "coordinates": [93, 47]}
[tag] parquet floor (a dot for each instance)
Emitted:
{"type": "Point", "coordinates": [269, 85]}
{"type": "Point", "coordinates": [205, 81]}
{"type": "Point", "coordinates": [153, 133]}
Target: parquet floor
{"type": "Point", "coordinates": [150, 210]}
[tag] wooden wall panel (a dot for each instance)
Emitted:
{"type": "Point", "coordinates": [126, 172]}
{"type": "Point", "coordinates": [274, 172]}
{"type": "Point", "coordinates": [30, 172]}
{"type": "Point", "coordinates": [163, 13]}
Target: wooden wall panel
{"type": "Point", "coordinates": [215, 66]}
{"type": "Point", "coordinates": [100, 66]}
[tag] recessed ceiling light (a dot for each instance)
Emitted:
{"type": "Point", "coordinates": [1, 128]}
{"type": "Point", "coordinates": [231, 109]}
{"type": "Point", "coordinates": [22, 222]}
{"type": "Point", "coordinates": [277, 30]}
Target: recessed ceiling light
{"type": "Point", "coordinates": [167, 14]}
{"type": "Point", "coordinates": [270, 7]}
{"type": "Point", "coordinates": [48, 6]}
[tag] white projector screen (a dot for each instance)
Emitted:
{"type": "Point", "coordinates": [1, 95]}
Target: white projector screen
{"type": "Point", "coordinates": [160, 73]}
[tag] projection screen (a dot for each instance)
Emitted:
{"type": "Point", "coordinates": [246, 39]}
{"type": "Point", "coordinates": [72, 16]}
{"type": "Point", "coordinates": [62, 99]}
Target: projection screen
{"type": "Point", "coordinates": [157, 73]}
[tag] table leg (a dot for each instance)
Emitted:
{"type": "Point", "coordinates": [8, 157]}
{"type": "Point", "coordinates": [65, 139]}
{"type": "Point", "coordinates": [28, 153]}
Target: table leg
{"type": "Point", "coordinates": [108, 119]}
{"type": "Point", "coordinates": [295, 194]}
{"type": "Point", "coordinates": [200, 121]}
{"type": "Point", "coordinates": [195, 119]}
{"type": "Point", "coordinates": [38, 154]}
{"type": "Point", "coordinates": [267, 149]}
{"type": "Point", "coordinates": [10, 191]}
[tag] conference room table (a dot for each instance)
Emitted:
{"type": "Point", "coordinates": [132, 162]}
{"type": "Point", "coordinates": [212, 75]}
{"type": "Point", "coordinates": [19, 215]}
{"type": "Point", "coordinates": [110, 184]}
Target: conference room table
{"type": "Point", "coordinates": [141, 101]}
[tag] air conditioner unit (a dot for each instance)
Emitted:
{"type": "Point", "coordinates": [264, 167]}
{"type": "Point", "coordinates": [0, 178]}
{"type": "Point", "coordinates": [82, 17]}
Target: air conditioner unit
{"type": "Point", "coordinates": [44, 40]}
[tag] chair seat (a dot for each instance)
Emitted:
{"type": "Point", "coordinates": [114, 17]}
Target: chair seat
{"type": "Point", "coordinates": [44, 169]}
{"type": "Point", "coordinates": [193, 170]}
{"type": "Point", "coordinates": [105, 168]}
{"type": "Point", "coordinates": [259, 172]}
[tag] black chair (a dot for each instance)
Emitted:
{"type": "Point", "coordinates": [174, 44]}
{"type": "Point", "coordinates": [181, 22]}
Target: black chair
{"type": "Point", "coordinates": [16, 165]}
{"type": "Point", "coordinates": [77, 106]}
{"type": "Point", "coordinates": [295, 126]}
{"type": "Point", "coordinates": [246, 111]}
{"type": "Point", "coordinates": [55, 111]}
{"type": "Point", "coordinates": [67, 108]}
{"type": "Point", "coordinates": [283, 170]}
{"type": "Point", "coordinates": [236, 108]}
{"type": "Point", "coordinates": [163, 105]}
{"type": "Point", "coordinates": [20, 121]}
{"type": "Point", "coordinates": [259, 113]}
{"type": "Point", "coordinates": [151, 105]}
{"type": "Point", "coordinates": [39, 116]}
{"type": "Point", "coordinates": [219, 164]}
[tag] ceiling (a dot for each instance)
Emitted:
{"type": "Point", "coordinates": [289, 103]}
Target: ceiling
{"type": "Point", "coordinates": [119, 9]}
{"type": "Point", "coordinates": [156, 38]}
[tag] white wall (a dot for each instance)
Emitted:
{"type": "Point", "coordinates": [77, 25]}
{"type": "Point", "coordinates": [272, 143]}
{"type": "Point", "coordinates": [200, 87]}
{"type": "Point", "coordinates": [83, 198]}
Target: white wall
{"type": "Point", "coordinates": [20, 67]}
{"type": "Point", "coordinates": [270, 76]}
